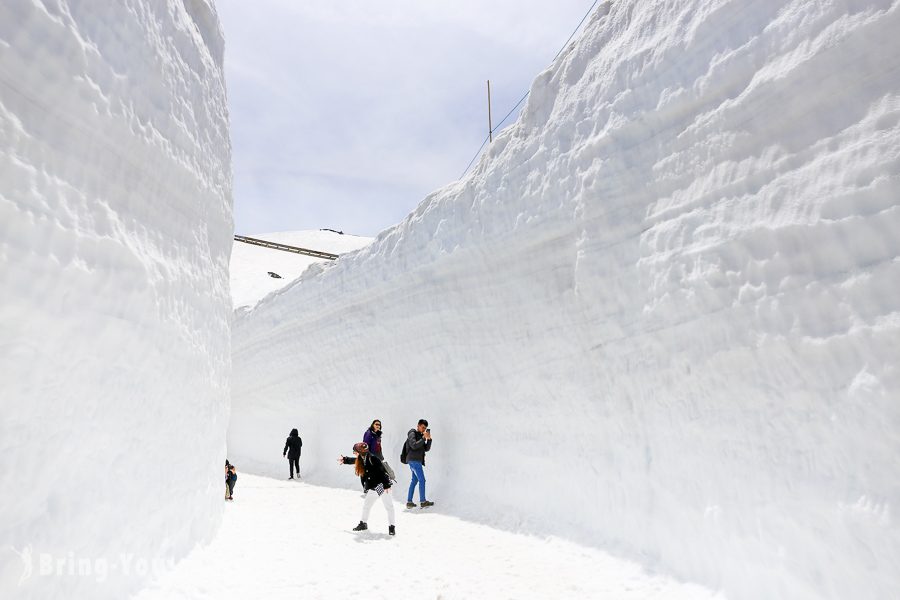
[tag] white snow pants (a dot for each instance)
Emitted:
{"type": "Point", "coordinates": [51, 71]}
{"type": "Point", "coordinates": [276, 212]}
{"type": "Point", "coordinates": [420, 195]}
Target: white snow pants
{"type": "Point", "coordinates": [371, 496]}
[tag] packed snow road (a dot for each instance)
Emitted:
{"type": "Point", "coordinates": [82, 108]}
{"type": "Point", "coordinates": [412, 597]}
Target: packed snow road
{"type": "Point", "coordinates": [283, 539]}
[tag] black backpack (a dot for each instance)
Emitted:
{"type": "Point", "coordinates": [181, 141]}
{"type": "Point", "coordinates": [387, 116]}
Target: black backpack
{"type": "Point", "coordinates": [403, 452]}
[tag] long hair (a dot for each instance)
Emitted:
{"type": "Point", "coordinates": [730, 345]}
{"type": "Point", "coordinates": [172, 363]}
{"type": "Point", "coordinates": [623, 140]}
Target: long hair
{"type": "Point", "coordinates": [360, 467]}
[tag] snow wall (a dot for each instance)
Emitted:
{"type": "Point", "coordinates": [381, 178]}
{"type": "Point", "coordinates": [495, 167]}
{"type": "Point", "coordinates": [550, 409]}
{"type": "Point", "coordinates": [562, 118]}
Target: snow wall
{"type": "Point", "coordinates": [661, 316]}
{"type": "Point", "coordinates": [115, 235]}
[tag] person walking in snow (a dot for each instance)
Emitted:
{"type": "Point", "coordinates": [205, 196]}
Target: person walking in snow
{"type": "Point", "coordinates": [418, 442]}
{"type": "Point", "coordinates": [292, 446]}
{"type": "Point", "coordinates": [375, 481]}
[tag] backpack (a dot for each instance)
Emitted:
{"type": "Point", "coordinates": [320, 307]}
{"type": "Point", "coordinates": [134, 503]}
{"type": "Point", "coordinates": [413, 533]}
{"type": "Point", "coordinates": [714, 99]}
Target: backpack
{"type": "Point", "coordinates": [403, 452]}
{"type": "Point", "coordinates": [390, 472]}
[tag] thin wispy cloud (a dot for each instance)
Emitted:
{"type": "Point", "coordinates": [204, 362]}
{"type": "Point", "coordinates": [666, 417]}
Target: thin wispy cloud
{"type": "Point", "coordinates": [347, 114]}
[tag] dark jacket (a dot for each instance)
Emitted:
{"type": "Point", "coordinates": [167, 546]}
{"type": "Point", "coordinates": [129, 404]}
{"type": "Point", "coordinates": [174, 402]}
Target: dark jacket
{"type": "Point", "coordinates": [416, 446]}
{"type": "Point", "coordinates": [375, 472]}
{"type": "Point", "coordinates": [292, 446]}
{"type": "Point", "coordinates": [373, 440]}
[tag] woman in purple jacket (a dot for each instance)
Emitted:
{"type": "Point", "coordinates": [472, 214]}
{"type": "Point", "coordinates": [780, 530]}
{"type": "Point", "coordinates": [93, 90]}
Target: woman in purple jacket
{"type": "Point", "coordinates": [372, 438]}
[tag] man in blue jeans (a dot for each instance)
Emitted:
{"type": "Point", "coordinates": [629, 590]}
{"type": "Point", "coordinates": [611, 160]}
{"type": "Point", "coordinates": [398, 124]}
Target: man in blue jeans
{"type": "Point", "coordinates": [418, 442]}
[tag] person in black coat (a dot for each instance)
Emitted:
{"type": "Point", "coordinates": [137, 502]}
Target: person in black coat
{"type": "Point", "coordinates": [292, 446]}
{"type": "Point", "coordinates": [375, 481]}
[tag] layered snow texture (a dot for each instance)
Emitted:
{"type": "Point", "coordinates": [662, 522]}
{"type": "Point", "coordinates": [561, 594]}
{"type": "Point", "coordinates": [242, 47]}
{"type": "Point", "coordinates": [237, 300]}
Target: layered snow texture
{"type": "Point", "coordinates": [115, 235]}
{"type": "Point", "coordinates": [250, 265]}
{"type": "Point", "coordinates": [662, 315]}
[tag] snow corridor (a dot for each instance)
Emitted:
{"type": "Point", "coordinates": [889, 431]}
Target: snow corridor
{"type": "Point", "coordinates": [290, 539]}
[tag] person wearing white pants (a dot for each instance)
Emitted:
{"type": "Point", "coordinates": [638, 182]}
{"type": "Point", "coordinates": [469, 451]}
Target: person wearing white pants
{"type": "Point", "coordinates": [371, 496]}
{"type": "Point", "coordinates": [376, 482]}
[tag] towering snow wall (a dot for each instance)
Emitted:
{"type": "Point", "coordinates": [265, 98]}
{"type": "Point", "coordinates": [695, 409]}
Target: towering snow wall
{"type": "Point", "coordinates": [662, 315]}
{"type": "Point", "coordinates": [115, 234]}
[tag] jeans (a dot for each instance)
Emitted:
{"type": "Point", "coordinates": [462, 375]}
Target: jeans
{"type": "Point", "coordinates": [418, 476]}
{"type": "Point", "coordinates": [295, 465]}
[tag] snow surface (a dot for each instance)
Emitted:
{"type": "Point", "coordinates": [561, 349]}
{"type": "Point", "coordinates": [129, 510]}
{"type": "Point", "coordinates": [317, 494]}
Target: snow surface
{"type": "Point", "coordinates": [661, 316]}
{"type": "Point", "coordinates": [115, 234]}
{"type": "Point", "coordinates": [250, 265]}
{"type": "Point", "coordinates": [282, 538]}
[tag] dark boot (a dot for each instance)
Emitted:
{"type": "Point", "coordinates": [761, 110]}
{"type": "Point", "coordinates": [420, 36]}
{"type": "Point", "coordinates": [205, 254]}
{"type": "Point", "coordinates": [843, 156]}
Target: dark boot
{"type": "Point", "coordinates": [391, 530]}
{"type": "Point", "coordinates": [410, 505]}
{"type": "Point", "coordinates": [427, 503]}
{"type": "Point", "coordinates": [361, 527]}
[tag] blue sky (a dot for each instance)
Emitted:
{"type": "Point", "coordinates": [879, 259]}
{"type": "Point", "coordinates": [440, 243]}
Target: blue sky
{"type": "Point", "coordinates": [345, 114]}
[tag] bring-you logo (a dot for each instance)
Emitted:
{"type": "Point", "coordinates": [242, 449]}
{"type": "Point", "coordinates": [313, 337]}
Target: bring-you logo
{"type": "Point", "coordinates": [70, 564]}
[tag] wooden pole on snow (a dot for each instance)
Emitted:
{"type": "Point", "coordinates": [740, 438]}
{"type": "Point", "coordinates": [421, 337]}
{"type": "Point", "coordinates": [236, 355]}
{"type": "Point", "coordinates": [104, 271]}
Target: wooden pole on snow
{"type": "Point", "coordinates": [490, 126]}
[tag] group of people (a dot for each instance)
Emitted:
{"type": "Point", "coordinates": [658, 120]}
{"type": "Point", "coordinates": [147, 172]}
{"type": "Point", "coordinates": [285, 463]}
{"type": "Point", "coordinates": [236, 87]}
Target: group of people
{"type": "Point", "coordinates": [374, 472]}
{"type": "Point", "coordinates": [377, 476]}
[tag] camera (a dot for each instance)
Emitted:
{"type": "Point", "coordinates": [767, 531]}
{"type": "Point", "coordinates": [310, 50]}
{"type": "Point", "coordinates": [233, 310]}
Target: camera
{"type": "Point", "coordinates": [428, 430]}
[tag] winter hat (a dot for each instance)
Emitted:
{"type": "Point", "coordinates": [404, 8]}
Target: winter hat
{"type": "Point", "coordinates": [361, 447]}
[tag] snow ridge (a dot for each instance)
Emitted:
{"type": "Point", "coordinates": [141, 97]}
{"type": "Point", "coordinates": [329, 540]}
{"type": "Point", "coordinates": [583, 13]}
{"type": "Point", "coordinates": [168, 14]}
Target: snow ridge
{"type": "Point", "coordinates": [250, 265]}
{"type": "Point", "coordinates": [115, 235]}
{"type": "Point", "coordinates": [662, 315]}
